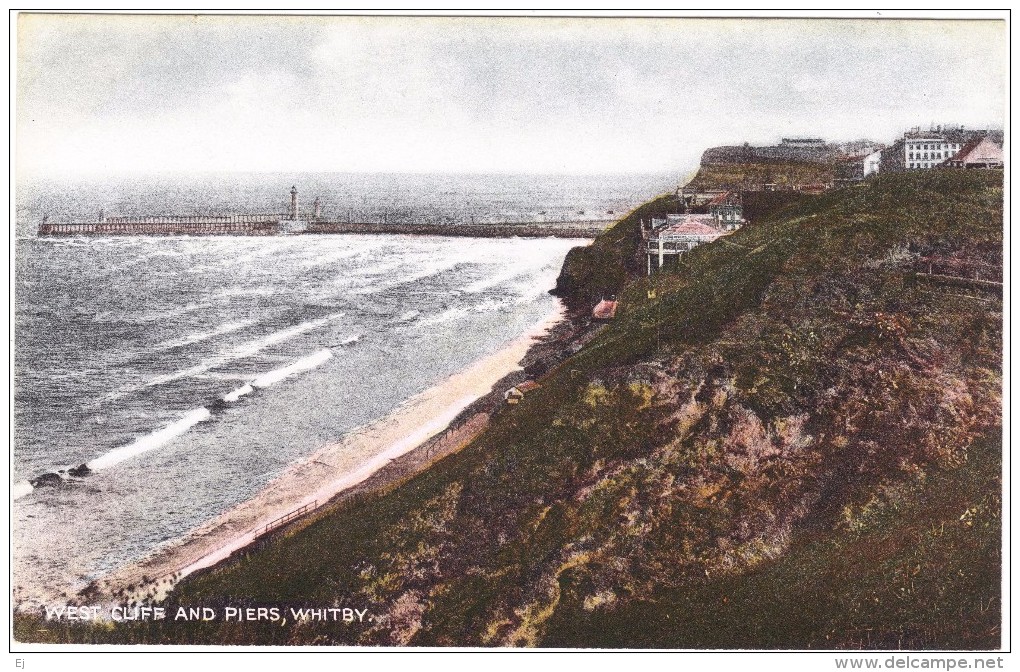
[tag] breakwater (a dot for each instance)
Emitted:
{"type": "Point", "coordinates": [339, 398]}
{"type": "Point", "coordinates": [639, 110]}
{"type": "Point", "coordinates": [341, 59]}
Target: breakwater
{"type": "Point", "coordinates": [267, 225]}
{"type": "Point", "coordinates": [564, 229]}
{"type": "Point", "coordinates": [297, 221]}
{"type": "Point", "coordinates": [166, 225]}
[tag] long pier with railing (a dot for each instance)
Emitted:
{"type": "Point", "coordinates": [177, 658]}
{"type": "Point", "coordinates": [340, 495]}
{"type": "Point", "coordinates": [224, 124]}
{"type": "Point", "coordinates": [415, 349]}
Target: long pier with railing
{"type": "Point", "coordinates": [294, 221]}
{"type": "Point", "coordinates": [252, 225]}
{"type": "Point", "coordinates": [270, 225]}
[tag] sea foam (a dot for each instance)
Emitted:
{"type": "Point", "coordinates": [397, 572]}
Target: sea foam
{"type": "Point", "coordinates": [303, 364]}
{"type": "Point", "coordinates": [227, 356]}
{"type": "Point", "coordinates": [238, 393]}
{"type": "Point", "coordinates": [198, 337]}
{"type": "Point", "coordinates": [20, 489]}
{"type": "Point", "coordinates": [150, 441]}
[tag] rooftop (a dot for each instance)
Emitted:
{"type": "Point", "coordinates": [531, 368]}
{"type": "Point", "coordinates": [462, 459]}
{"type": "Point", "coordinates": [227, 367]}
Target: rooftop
{"type": "Point", "coordinates": [979, 150]}
{"type": "Point", "coordinates": [721, 198]}
{"type": "Point", "coordinates": [692, 225]}
{"type": "Point", "coordinates": [605, 310]}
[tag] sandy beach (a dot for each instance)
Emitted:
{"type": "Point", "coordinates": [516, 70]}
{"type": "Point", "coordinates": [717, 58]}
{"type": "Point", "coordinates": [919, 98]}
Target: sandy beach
{"type": "Point", "coordinates": [386, 451]}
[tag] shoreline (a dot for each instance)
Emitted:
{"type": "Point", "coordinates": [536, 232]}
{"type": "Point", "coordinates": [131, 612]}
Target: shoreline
{"type": "Point", "coordinates": [421, 430]}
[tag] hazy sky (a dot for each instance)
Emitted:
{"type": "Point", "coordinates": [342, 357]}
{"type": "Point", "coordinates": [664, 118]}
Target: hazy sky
{"type": "Point", "coordinates": [155, 93]}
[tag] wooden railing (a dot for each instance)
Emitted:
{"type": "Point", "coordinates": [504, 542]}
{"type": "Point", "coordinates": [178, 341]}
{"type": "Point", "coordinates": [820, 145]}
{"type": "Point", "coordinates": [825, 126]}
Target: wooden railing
{"type": "Point", "coordinates": [286, 518]}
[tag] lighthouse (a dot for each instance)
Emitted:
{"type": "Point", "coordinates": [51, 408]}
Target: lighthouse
{"type": "Point", "coordinates": [291, 222]}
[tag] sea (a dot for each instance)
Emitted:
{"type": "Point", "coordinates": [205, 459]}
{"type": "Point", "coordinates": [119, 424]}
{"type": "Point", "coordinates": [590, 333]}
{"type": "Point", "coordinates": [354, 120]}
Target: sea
{"type": "Point", "coordinates": [186, 373]}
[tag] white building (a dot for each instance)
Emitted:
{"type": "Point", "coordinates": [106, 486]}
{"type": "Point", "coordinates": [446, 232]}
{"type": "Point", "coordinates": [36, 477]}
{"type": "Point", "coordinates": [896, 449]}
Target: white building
{"type": "Point", "coordinates": [872, 162]}
{"type": "Point", "coordinates": [728, 211]}
{"type": "Point", "coordinates": [924, 149]}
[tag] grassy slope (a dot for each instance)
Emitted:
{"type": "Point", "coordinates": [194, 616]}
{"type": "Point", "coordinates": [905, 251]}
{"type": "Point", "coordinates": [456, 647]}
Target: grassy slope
{"type": "Point", "coordinates": [913, 572]}
{"type": "Point", "coordinates": [793, 445]}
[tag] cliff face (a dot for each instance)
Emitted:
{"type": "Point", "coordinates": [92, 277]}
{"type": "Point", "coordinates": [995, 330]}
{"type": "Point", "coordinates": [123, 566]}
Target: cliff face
{"type": "Point", "coordinates": [767, 154]}
{"type": "Point", "coordinates": [794, 444]}
{"type": "Point", "coordinates": [752, 175]}
{"type": "Point", "coordinates": [786, 165]}
{"type": "Point", "coordinates": [602, 268]}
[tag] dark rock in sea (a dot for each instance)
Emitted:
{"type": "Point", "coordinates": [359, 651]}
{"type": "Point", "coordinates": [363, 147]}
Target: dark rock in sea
{"type": "Point", "coordinates": [217, 406]}
{"type": "Point", "coordinates": [48, 480]}
{"type": "Point", "coordinates": [81, 471]}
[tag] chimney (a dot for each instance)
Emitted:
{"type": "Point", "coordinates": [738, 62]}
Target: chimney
{"type": "Point", "coordinates": [293, 203]}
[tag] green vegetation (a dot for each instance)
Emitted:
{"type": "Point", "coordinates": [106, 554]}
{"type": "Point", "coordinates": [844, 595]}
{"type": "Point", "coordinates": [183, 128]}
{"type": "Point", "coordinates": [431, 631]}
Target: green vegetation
{"type": "Point", "coordinates": [601, 269]}
{"type": "Point", "coordinates": [793, 444]}
{"type": "Point", "coordinates": [908, 571]}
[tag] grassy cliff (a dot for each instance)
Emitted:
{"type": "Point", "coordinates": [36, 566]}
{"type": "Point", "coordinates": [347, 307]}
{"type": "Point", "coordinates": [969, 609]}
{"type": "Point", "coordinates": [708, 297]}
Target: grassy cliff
{"type": "Point", "coordinates": [751, 175]}
{"type": "Point", "coordinates": [602, 268]}
{"type": "Point", "coordinates": [793, 444]}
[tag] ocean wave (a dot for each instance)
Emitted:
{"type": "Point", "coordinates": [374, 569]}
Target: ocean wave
{"type": "Point", "coordinates": [426, 272]}
{"type": "Point", "coordinates": [425, 265]}
{"type": "Point", "coordinates": [536, 286]}
{"type": "Point", "coordinates": [238, 393]}
{"type": "Point", "coordinates": [407, 317]}
{"type": "Point", "coordinates": [276, 375]}
{"type": "Point", "coordinates": [368, 281]}
{"type": "Point", "coordinates": [303, 364]}
{"type": "Point", "coordinates": [147, 317]}
{"type": "Point", "coordinates": [330, 257]}
{"type": "Point", "coordinates": [238, 352]}
{"type": "Point", "coordinates": [166, 434]}
{"type": "Point", "coordinates": [443, 317]}
{"type": "Point", "coordinates": [489, 305]}
{"type": "Point", "coordinates": [150, 441]}
{"type": "Point", "coordinates": [246, 290]}
{"type": "Point", "coordinates": [225, 375]}
{"type": "Point", "coordinates": [200, 336]}
{"type": "Point", "coordinates": [498, 279]}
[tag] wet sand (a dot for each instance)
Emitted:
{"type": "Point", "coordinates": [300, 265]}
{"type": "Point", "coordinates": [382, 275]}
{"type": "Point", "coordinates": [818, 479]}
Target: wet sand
{"type": "Point", "coordinates": [378, 455]}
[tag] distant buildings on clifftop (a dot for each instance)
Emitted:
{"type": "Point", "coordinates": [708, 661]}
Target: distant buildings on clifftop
{"type": "Point", "coordinates": [732, 177]}
{"type": "Point", "coordinates": [812, 164]}
{"type": "Point", "coordinates": [949, 147]}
